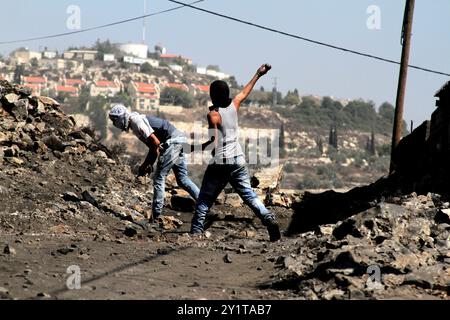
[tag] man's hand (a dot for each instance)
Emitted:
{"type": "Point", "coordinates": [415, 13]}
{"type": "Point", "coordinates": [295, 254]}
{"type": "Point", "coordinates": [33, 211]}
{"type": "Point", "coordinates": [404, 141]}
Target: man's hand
{"type": "Point", "coordinates": [241, 96]}
{"type": "Point", "coordinates": [263, 69]}
{"type": "Point", "coordinates": [144, 169]}
{"type": "Point", "coordinates": [207, 143]}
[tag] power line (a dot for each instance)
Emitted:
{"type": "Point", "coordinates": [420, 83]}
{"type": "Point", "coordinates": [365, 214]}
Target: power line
{"type": "Point", "coordinates": [307, 39]}
{"type": "Point", "coordinates": [99, 27]}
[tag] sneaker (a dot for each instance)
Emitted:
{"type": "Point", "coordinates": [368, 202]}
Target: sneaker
{"type": "Point", "coordinates": [274, 230]}
{"type": "Point", "coordinates": [209, 219]}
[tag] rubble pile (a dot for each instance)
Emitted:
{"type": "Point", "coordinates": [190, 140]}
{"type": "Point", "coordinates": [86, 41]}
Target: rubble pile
{"type": "Point", "coordinates": [53, 171]}
{"type": "Point", "coordinates": [396, 229]}
{"type": "Point", "coordinates": [399, 248]}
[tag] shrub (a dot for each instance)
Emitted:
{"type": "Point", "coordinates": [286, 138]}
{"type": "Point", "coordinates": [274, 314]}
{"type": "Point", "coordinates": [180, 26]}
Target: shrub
{"type": "Point", "coordinates": [289, 168]}
{"type": "Point", "coordinates": [328, 172]}
{"type": "Point", "coordinates": [312, 182]}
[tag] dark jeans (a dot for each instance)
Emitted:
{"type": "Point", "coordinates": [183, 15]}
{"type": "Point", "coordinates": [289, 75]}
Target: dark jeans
{"type": "Point", "coordinates": [171, 158]}
{"type": "Point", "coordinates": [214, 181]}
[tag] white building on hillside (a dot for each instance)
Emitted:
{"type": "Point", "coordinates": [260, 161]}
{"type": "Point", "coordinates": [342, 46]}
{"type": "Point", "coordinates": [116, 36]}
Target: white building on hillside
{"type": "Point", "coordinates": [134, 49]}
{"type": "Point", "coordinates": [49, 54]}
{"type": "Point", "coordinates": [25, 56]}
{"type": "Point", "coordinates": [80, 54]}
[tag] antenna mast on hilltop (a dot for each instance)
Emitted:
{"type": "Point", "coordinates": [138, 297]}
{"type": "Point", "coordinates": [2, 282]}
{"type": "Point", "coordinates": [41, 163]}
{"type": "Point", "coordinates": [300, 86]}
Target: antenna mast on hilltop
{"type": "Point", "coordinates": [274, 92]}
{"type": "Point", "coordinates": [144, 22]}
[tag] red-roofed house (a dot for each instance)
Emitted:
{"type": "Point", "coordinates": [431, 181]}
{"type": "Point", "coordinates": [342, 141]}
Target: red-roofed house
{"type": "Point", "coordinates": [199, 88]}
{"type": "Point", "coordinates": [167, 57]}
{"type": "Point", "coordinates": [70, 90]}
{"type": "Point", "coordinates": [180, 86]}
{"type": "Point", "coordinates": [105, 88]}
{"type": "Point", "coordinates": [74, 82]}
{"type": "Point", "coordinates": [34, 80]}
{"type": "Point", "coordinates": [145, 95]}
{"type": "Point", "coordinates": [36, 83]}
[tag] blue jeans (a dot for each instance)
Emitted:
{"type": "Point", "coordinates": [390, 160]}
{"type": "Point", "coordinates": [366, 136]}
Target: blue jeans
{"type": "Point", "coordinates": [171, 158]}
{"type": "Point", "coordinates": [214, 181]}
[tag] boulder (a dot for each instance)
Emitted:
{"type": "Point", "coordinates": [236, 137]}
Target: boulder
{"type": "Point", "coordinates": [11, 98]}
{"type": "Point", "coordinates": [268, 179]}
{"type": "Point", "coordinates": [169, 222]}
{"type": "Point", "coordinates": [70, 196]}
{"type": "Point", "coordinates": [20, 109]}
{"type": "Point", "coordinates": [233, 200]}
{"type": "Point", "coordinates": [220, 198]}
{"type": "Point", "coordinates": [9, 250]}
{"type": "Point", "coordinates": [48, 101]}
{"type": "Point", "coordinates": [130, 231]}
{"type": "Point", "coordinates": [87, 196]}
{"type": "Point", "coordinates": [15, 160]}
{"type": "Point", "coordinates": [182, 203]}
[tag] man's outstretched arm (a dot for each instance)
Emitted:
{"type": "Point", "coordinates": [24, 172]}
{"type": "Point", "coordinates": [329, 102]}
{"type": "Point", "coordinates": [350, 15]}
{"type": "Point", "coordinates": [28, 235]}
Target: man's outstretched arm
{"type": "Point", "coordinates": [189, 148]}
{"type": "Point", "coordinates": [241, 96]}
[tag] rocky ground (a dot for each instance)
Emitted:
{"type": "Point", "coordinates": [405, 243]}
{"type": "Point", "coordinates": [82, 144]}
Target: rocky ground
{"type": "Point", "coordinates": [67, 204]}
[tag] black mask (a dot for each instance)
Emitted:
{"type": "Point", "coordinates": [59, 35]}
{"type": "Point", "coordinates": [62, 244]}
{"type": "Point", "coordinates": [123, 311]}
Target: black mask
{"type": "Point", "coordinates": [220, 93]}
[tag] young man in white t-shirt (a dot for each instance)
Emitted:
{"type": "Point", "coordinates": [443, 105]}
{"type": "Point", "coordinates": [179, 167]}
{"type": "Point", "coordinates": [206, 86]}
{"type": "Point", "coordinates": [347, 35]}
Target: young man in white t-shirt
{"type": "Point", "coordinates": [228, 165]}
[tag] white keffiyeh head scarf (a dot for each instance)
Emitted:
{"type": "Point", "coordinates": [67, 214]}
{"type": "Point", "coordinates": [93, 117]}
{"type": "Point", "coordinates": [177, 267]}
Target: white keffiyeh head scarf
{"type": "Point", "coordinates": [120, 116]}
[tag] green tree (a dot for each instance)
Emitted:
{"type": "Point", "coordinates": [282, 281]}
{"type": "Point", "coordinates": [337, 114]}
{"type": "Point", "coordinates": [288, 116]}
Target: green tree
{"type": "Point", "coordinates": [361, 114]}
{"type": "Point", "coordinates": [34, 62]}
{"type": "Point", "coordinates": [122, 98]}
{"type": "Point", "coordinates": [88, 63]}
{"type": "Point", "coordinates": [386, 112]}
{"type": "Point", "coordinates": [125, 65]}
{"type": "Point", "coordinates": [104, 47]}
{"type": "Point", "coordinates": [258, 97]}
{"type": "Point", "coordinates": [83, 98]}
{"type": "Point", "coordinates": [177, 97]}
{"type": "Point", "coordinates": [70, 64]}
{"type": "Point", "coordinates": [146, 68]}
{"type": "Point", "coordinates": [213, 67]}
{"type": "Point", "coordinates": [319, 143]}
{"type": "Point", "coordinates": [282, 147]}
{"type": "Point", "coordinates": [333, 138]}
{"type": "Point", "coordinates": [98, 114]}
{"type": "Point", "coordinates": [190, 68]}
{"type": "Point", "coordinates": [18, 73]}
{"type": "Point", "coordinates": [232, 82]}
{"type": "Point", "coordinates": [291, 98]}
{"type": "Point", "coordinates": [371, 144]}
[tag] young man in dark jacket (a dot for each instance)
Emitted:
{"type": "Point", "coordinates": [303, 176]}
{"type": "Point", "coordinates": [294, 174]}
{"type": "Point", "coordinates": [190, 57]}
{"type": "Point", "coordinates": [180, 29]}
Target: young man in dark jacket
{"type": "Point", "coordinates": [166, 143]}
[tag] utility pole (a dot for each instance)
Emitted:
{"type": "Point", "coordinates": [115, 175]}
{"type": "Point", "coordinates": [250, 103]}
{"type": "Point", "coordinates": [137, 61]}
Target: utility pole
{"type": "Point", "coordinates": [406, 42]}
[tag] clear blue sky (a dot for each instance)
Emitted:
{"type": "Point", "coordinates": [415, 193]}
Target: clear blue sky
{"type": "Point", "coordinates": [239, 49]}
